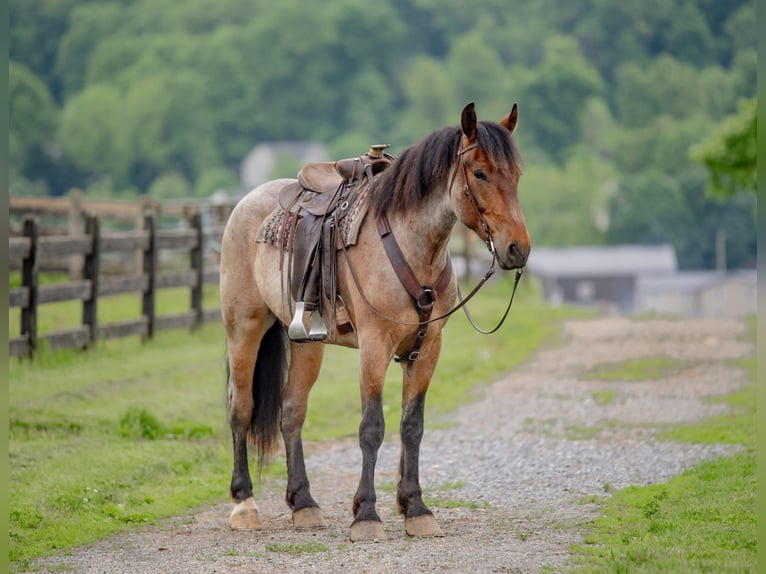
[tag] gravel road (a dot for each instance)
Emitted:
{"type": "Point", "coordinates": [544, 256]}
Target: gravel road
{"type": "Point", "coordinates": [515, 465]}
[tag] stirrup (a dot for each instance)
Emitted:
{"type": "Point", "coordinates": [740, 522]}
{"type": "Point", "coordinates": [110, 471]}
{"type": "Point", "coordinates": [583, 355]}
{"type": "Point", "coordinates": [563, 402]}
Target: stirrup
{"type": "Point", "coordinates": [297, 329]}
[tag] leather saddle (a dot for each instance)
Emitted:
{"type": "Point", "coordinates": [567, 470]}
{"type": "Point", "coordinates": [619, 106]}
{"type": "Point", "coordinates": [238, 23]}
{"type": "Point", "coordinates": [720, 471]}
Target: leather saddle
{"type": "Point", "coordinates": [318, 202]}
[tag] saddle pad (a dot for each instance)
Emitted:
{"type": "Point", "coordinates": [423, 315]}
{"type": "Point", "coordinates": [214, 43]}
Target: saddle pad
{"type": "Point", "coordinates": [271, 229]}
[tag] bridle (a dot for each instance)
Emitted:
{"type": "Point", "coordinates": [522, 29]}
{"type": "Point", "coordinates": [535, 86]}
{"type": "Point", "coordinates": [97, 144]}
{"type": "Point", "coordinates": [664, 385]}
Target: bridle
{"type": "Point", "coordinates": [472, 200]}
{"type": "Point", "coordinates": [425, 297]}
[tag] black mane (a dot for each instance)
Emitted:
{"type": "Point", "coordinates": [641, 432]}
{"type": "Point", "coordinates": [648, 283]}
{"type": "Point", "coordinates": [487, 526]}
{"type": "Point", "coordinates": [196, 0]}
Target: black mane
{"type": "Point", "coordinates": [428, 163]}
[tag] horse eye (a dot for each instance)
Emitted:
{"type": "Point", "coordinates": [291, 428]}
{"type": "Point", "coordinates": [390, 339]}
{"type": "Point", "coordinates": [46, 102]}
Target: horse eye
{"type": "Point", "coordinates": [479, 174]}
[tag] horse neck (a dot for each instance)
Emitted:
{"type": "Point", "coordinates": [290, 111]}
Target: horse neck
{"type": "Point", "coordinates": [423, 232]}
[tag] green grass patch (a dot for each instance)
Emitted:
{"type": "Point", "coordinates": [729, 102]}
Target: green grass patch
{"type": "Point", "coordinates": [440, 502]}
{"type": "Point", "coordinates": [738, 425]}
{"type": "Point", "coordinates": [603, 398]}
{"type": "Point", "coordinates": [309, 547]}
{"type": "Point", "coordinates": [735, 427]}
{"type": "Point", "coordinates": [701, 521]}
{"type": "Point", "coordinates": [636, 369]}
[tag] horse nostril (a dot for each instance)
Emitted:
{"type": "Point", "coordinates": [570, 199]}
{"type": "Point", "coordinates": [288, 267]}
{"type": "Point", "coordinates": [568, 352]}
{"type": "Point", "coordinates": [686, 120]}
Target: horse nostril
{"type": "Point", "coordinates": [515, 254]}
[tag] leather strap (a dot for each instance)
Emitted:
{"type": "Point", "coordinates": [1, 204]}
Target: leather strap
{"type": "Point", "coordinates": [424, 296]}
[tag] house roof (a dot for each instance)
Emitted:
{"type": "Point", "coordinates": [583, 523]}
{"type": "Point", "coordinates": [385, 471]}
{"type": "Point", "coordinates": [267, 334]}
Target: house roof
{"type": "Point", "coordinates": [602, 261]}
{"type": "Point", "coordinates": [692, 281]}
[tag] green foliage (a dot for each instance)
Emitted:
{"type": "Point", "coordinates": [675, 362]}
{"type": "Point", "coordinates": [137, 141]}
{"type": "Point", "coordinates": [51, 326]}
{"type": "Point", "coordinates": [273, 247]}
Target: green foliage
{"type": "Point", "coordinates": [140, 423]}
{"type": "Point", "coordinates": [730, 154]}
{"type": "Point", "coordinates": [119, 94]}
{"type": "Point", "coordinates": [34, 114]}
{"type": "Point", "coordinates": [92, 133]}
{"type": "Point", "coordinates": [555, 93]}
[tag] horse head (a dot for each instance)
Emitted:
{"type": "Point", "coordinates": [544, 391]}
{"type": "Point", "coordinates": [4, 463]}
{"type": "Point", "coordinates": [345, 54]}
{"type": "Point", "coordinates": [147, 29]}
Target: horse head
{"type": "Point", "coordinates": [484, 191]}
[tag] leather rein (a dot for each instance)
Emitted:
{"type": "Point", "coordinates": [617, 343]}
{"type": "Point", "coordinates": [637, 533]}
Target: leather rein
{"type": "Point", "coordinates": [425, 297]}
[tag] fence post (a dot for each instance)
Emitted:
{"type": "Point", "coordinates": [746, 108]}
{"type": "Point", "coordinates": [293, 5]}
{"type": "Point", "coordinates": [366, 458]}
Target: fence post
{"type": "Point", "coordinates": [29, 269]}
{"type": "Point", "coordinates": [76, 262]}
{"type": "Point", "coordinates": [195, 222]}
{"type": "Point", "coordinates": [150, 270]}
{"type": "Point", "coordinates": [90, 272]}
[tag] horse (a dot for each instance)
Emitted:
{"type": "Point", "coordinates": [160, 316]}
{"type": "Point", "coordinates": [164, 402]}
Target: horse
{"type": "Point", "coordinates": [466, 173]}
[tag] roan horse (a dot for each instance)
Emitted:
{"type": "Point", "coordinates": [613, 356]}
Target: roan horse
{"type": "Point", "coordinates": [468, 173]}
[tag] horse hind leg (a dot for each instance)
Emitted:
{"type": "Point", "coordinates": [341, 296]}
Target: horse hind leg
{"type": "Point", "coordinates": [305, 362]}
{"type": "Point", "coordinates": [256, 370]}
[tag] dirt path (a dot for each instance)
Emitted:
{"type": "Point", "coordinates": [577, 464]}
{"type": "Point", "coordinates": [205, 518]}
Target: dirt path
{"type": "Point", "coordinates": [510, 474]}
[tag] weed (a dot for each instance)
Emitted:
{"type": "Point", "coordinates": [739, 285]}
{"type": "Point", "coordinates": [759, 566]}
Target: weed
{"type": "Point", "coordinates": [603, 398]}
{"type": "Point", "coordinates": [310, 547]}
{"type": "Point", "coordinates": [140, 423]}
{"type": "Point", "coordinates": [454, 503]}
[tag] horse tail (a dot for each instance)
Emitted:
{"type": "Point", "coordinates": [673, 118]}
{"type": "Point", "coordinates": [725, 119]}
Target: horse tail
{"type": "Point", "coordinates": [268, 378]}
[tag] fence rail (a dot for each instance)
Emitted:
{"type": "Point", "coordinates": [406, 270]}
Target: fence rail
{"type": "Point", "coordinates": [32, 247]}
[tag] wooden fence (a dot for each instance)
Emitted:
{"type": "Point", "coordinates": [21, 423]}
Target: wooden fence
{"type": "Point", "coordinates": [32, 247]}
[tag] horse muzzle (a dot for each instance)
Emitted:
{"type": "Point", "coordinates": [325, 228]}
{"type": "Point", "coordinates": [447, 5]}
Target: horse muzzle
{"type": "Point", "coordinates": [513, 257]}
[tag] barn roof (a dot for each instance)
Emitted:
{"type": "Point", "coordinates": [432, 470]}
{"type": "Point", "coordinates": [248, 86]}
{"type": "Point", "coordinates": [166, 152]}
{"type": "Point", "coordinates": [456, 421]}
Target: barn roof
{"type": "Point", "coordinates": [602, 261]}
{"type": "Point", "coordinates": [691, 281]}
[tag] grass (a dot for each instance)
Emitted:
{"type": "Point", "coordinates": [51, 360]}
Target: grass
{"type": "Point", "coordinates": [636, 369]}
{"type": "Point", "coordinates": [309, 547]}
{"type": "Point", "coordinates": [440, 502]}
{"type": "Point", "coordinates": [111, 308]}
{"type": "Point", "coordinates": [604, 397]}
{"type": "Point", "coordinates": [129, 433]}
{"type": "Point", "coordinates": [701, 521]}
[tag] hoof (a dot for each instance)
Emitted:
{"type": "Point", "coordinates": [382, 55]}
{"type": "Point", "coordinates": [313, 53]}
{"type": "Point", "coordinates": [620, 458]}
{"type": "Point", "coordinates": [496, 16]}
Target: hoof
{"type": "Point", "coordinates": [423, 526]}
{"type": "Point", "coordinates": [367, 531]}
{"type": "Point", "coordinates": [245, 516]}
{"type": "Point", "coordinates": [308, 519]}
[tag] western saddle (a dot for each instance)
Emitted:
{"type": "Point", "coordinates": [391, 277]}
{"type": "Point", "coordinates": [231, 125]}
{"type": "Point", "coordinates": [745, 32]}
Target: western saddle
{"type": "Point", "coordinates": [315, 207]}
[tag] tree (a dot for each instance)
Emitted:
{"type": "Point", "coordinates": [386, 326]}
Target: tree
{"type": "Point", "coordinates": [730, 152]}
{"type": "Point", "coordinates": [652, 207]}
{"type": "Point", "coordinates": [555, 94]}
{"type": "Point", "coordinates": [664, 87]}
{"type": "Point", "coordinates": [89, 25]}
{"type": "Point", "coordinates": [32, 114]}
{"type": "Point", "coordinates": [93, 134]}
{"type": "Point", "coordinates": [566, 205]}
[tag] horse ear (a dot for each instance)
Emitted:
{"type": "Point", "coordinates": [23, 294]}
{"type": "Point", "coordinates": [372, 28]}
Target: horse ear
{"type": "Point", "coordinates": [511, 119]}
{"type": "Point", "coordinates": [468, 121]}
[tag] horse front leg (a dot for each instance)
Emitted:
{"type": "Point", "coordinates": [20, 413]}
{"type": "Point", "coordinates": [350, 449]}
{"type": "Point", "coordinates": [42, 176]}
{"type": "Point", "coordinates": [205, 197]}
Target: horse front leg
{"type": "Point", "coordinates": [418, 519]}
{"type": "Point", "coordinates": [305, 361]}
{"type": "Point", "coordinates": [367, 526]}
